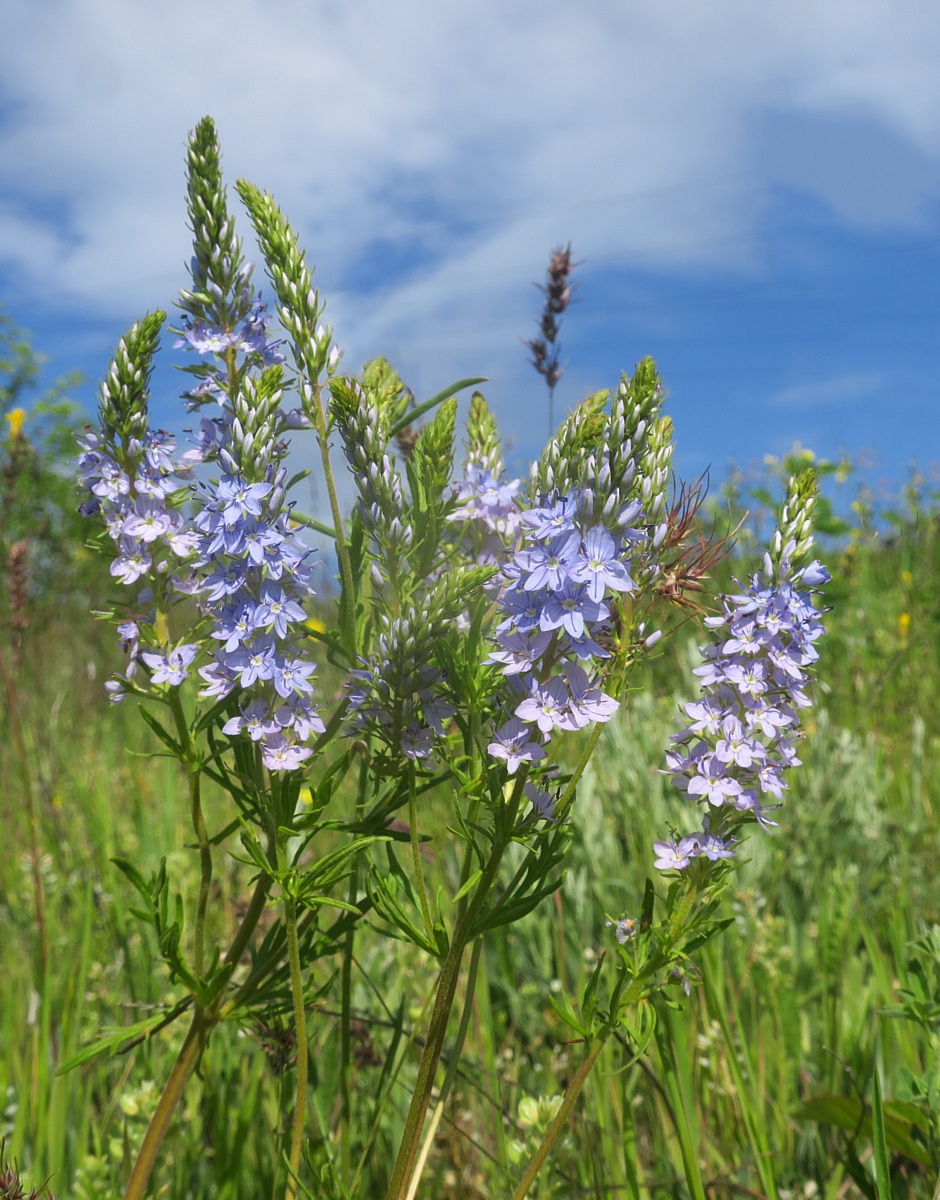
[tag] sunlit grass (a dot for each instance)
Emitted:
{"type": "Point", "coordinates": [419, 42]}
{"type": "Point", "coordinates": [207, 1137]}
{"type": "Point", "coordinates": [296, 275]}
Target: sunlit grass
{"type": "Point", "coordinates": [790, 1009]}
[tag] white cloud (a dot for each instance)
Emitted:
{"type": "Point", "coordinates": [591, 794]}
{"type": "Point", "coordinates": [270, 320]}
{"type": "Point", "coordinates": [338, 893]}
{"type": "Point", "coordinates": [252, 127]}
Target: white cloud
{"type": "Point", "coordinates": [838, 391]}
{"type": "Point", "coordinates": [477, 133]}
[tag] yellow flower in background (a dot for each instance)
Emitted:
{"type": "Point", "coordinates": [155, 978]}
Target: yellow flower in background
{"type": "Point", "coordinates": [15, 418]}
{"type": "Point", "coordinates": [315, 625]}
{"type": "Point", "coordinates": [904, 625]}
{"type": "Point", "coordinates": [907, 578]}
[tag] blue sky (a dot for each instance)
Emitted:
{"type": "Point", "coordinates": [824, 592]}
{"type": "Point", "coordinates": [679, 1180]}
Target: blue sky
{"type": "Point", "coordinates": [754, 191]}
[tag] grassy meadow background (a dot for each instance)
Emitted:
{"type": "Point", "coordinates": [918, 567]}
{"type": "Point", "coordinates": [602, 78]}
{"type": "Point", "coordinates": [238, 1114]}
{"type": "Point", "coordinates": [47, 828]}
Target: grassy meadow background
{"type": "Point", "coordinates": [764, 1073]}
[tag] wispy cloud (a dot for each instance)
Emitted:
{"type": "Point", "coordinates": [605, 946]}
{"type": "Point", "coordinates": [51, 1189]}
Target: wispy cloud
{"type": "Point", "coordinates": [838, 391]}
{"type": "Point", "coordinates": [431, 154]}
{"type": "Point", "coordinates": [477, 134]}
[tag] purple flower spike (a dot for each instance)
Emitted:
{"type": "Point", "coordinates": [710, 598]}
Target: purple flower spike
{"type": "Point", "coordinates": [743, 730]}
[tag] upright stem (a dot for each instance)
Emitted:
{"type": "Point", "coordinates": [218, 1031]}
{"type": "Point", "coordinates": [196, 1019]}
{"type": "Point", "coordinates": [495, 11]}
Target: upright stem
{"type": "Point", "coordinates": [202, 1025]}
{"type": "Point", "coordinates": [621, 996]}
{"type": "Point", "coordinates": [437, 1029]}
{"type": "Point", "coordinates": [193, 778]}
{"type": "Point", "coordinates": [567, 797]}
{"type": "Point", "coordinates": [318, 416]}
{"type": "Point", "coordinates": [300, 1023]}
{"type": "Point", "coordinates": [184, 1066]}
{"type": "Point", "coordinates": [349, 945]}
{"type": "Point", "coordinates": [416, 858]}
{"type": "Point", "coordinates": [561, 1117]}
{"type": "Point", "coordinates": [205, 871]}
{"type": "Point", "coordinates": [452, 1066]}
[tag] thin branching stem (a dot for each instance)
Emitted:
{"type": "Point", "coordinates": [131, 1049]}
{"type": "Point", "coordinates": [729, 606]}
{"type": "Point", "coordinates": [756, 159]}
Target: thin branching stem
{"type": "Point", "coordinates": [561, 1117]}
{"type": "Point", "coordinates": [317, 414]}
{"type": "Point", "coordinates": [416, 857]}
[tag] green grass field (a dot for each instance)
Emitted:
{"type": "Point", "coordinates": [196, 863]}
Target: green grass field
{"type": "Point", "coordinates": [761, 1080]}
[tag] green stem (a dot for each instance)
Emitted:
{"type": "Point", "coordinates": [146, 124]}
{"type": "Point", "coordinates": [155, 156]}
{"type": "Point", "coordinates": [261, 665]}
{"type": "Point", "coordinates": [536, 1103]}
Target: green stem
{"type": "Point", "coordinates": [452, 1068]}
{"type": "Point", "coordinates": [318, 416]}
{"type": "Point", "coordinates": [193, 777]}
{"type": "Point", "coordinates": [184, 1066]}
{"type": "Point", "coordinates": [345, 1020]}
{"type": "Point", "coordinates": [416, 858]}
{"type": "Point", "coordinates": [349, 945]}
{"type": "Point", "coordinates": [300, 1021]}
{"type": "Point", "coordinates": [680, 1102]}
{"type": "Point", "coordinates": [565, 800]}
{"type": "Point", "coordinates": [199, 1031]}
{"type": "Point", "coordinates": [561, 1117]}
{"type": "Point", "coordinates": [383, 1100]}
{"type": "Point", "coordinates": [205, 872]}
{"type": "Point", "coordinates": [437, 1029]}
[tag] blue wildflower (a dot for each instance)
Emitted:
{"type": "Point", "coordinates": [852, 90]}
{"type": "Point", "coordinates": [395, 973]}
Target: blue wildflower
{"type": "Point", "coordinates": [742, 733]}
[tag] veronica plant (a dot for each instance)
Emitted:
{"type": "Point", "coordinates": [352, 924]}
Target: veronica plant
{"type": "Point", "coordinates": [730, 761]}
{"type": "Point", "coordinates": [485, 627]}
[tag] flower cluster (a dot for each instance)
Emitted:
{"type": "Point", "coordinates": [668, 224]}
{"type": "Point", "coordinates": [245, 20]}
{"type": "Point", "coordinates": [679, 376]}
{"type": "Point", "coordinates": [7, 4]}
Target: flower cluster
{"type": "Point", "coordinates": [235, 555]}
{"type": "Point", "coordinates": [253, 576]}
{"type": "Point", "coordinates": [134, 495]}
{"type": "Point", "coordinates": [555, 605]}
{"type": "Point", "coordinates": [484, 498]}
{"type": "Point", "coordinates": [251, 337]}
{"type": "Point", "coordinates": [744, 728]}
{"type": "Point", "coordinates": [396, 694]}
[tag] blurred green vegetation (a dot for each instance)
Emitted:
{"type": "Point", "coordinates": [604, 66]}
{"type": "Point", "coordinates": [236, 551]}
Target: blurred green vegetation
{"type": "Point", "coordinates": [769, 1061]}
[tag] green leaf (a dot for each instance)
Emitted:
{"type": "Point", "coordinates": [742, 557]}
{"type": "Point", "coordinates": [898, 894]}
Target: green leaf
{"type": "Point", "coordinates": [327, 870]}
{"type": "Point", "coordinates": [217, 980]}
{"type": "Point", "coordinates": [707, 933]}
{"type": "Point", "coordinates": [112, 1040]}
{"type": "Point", "coordinates": [589, 999]}
{"type": "Point", "coordinates": [508, 912]}
{"type": "Point", "coordinates": [562, 1006]}
{"type": "Point", "coordinates": [882, 1165]}
{"type": "Point", "coordinates": [413, 413]}
{"type": "Point", "coordinates": [322, 900]}
{"type": "Point", "coordinates": [469, 885]}
{"type": "Point", "coordinates": [162, 733]}
{"type": "Point", "coordinates": [383, 894]}
{"type": "Point", "coordinates": [134, 876]}
{"type": "Point", "coordinates": [848, 1112]}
